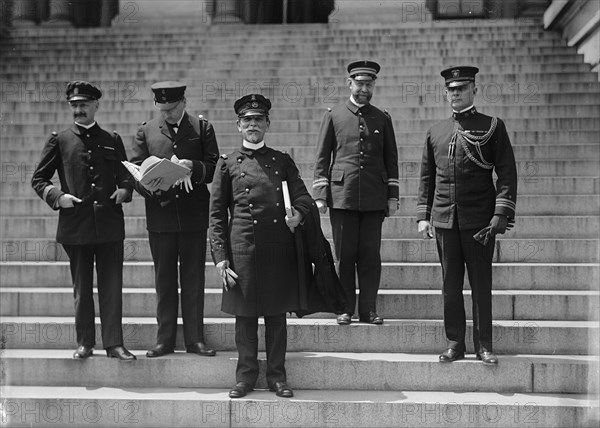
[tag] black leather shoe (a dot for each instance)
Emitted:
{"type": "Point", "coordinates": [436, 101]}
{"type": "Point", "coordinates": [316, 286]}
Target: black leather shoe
{"type": "Point", "coordinates": [120, 352]}
{"type": "Point", "coordinates": [344, 319]}
{"type": "Point", "coordinates": [159, 350]}
{"type": "Point", "coordinates": [200, 348]}
{"type": "Point", "coordinates": [487, 358]}
{"type": "Point", "coordinates": [450, 355]}
{"type": "Point", "coordinates": [82, 352]}
{"type": "Point", "coordinates": [281, 389]}
{"type": "Point", "coordinates": [371, 318]}
{"type": "Point", "coordinates": [240, 390]}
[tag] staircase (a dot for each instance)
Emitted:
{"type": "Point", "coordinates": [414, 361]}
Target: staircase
{"type": "Point", "coordinates": [546, 297]}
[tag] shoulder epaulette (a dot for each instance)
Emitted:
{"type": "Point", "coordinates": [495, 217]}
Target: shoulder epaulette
{"type": "Point", "coordinates": [201, 117]}
{"type": "Point", "coordinates": [224, 156]}
{"type": "Point", "coordinates": [387, 113]}
{"type": "Point", "coordinates": [115, 132]}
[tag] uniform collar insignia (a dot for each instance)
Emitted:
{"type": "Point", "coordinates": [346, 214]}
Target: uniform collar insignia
{"type": "Point", "coordinates": [465, 114]}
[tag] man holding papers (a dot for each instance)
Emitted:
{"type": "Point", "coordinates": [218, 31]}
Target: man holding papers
{"type": "Point", "coordinates": [253, 246]}
{"type": "Point", "coordinates": [177, 216]}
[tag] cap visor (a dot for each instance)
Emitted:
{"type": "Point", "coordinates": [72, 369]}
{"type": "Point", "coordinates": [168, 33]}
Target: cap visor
{"type": "Point", "coordinates": [80, 98]}
{"type": "Point", "coordinates": [252, 113]}
{"type": "Point", "coordinates": [362, 77]}
{"type": "Point", "coordinates": [165, 106]}
{"type": "Point", "coordinates": [458, 83]}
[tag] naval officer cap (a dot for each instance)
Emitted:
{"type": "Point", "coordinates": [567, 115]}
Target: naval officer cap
{"type": "Point", "coordinates": [459, 76]}
{"type": "Point", "coordinates": [80, 90]}
{"type": "Point", "coordinates": [252, 105]}
{"type": "Point", "coordinates": [363, 70]}
{"type": "Point", "coordinates": [168, 92]}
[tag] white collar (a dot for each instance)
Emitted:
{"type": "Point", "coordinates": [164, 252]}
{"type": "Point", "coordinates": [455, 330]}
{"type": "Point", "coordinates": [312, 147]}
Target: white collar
{"type": "Point", "coordinates": [253, 146]}
{"type": "Point", "coordinates": [86, 126]}
{"type": "Point", "coordinates": [463, 110]}
{"type": "Point", "coordinates": [355, 103]}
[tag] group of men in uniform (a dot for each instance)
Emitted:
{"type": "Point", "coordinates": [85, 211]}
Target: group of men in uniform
{"type": "Point", "coordinates": [251, 234]}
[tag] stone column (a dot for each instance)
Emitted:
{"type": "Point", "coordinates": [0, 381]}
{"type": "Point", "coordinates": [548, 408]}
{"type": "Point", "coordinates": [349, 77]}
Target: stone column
{"type": "Point", "coordinates": [59, 13]}
{"type": "Point", "coordinates": [109, 9]}
{"type": "Point", "coordinates": [227, 11]}
{"type": "Point", "coordinates": [25, 12]}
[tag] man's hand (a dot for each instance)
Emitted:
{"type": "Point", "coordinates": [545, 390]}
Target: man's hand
{"type": "Point", "coordinates": [228, 276]}
{"type": "Point", "coordinates": [293, 221]}
{"type": "Point", "coordinates": [185, 182]}
{"type": "Point", "coordinates": [68, 201]}
{"type": "Point", "coordinates": [183, 162]}
{"type": "Point", "coordinates": [322, 206]}
{"type": "Point", "coordinates": [392, 207]}
{"type": "Point", "coordinates": [498, 224]}
{"type": "Point", "coordinates": [119, 195]}
{"type": "Point", "coordinates": [425, 229]}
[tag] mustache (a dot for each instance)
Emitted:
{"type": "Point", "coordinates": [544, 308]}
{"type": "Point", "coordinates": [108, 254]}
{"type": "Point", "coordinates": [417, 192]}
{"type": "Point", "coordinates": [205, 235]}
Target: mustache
{"type": "Point", "coordinates": [79, 115]}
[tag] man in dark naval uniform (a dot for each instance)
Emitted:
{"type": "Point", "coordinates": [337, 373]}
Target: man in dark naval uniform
{"type": "Point", "coordinates": [177, 219]}
{"type": "Point", "coordinates": [93, 185]}
{"type": "Point", "coordinates": [356, 175]}
{"type": "Point", "coordinates": [253, 246]}
{"type": "Point", "coordinates": [458, 198]}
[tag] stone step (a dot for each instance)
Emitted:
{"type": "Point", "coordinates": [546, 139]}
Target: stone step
{"type": "Point", "coordinates": [528, 205]}
{"type": "Point", "coordinates": [556, 227]}
{"type": "Point", "coordinates": [507, 73]}
{"type": "Point", "coordinates": [504, 110]}
{"type": "Point", "coordinates": [395, 275]}
{"type": "Point", "coordinates": [207, 41]}
{"type": "Point", "coordinates": [314, 370]}
{"type": "Point", "coordinates": [239, 32]}
{"type": "Point", "coordinates": [114, 37]}
{"type": "Point", "coordinates": [320, 335]}
{"type": "Point", "coordinates": [324, 63]}
{"type": "Point", "coordinates": [528, 185]}
{"type": "Point", "coordinates": [538, 145]}
{"type": "Point", "coordinates": [225, 120]}
{"type": "Point", "coordinates": [450, 27]}
{"type": "Point", "coordinates": [447, 26]}
{"type": "Point", "coordinates": [516, 124]}
{"type": "Point", "coordinates": [559, 58]}
{"type": "Point", "coordinates": [417, 46]}
{"type": "Point", "coordinates": [571, 305]}
{"type": "Point", "coordinates": [394, 41]}
{"type": "Point", "coordinates": [316, 93]}
{"type": "Point", "coordinates": [78, 406]}
{"type": "Point", "coordinates": [508, 250]}
{"type": "Point", "coordinates": [307, 103]}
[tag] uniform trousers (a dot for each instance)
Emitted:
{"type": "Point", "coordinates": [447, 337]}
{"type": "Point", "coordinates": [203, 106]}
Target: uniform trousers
{"type": "Point", "coordinates": [109, 271]}
{"type": "Point", "coordinates": [183, 253]}
{"type": "Point", "coordinates": [357, 241]}
{"type": "Point", "coordinates": [246, 341]}
{"type": "Point", "coordinates": [457, 248]}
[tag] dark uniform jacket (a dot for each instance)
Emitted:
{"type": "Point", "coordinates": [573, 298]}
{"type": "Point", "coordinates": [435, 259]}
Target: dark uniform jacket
{"type": "Point", "coordinates": [177, 210]}
{"type": "Point", "coordinates": [247, 227]}
{"type": "Point", "coordinates": [460, 183]}
{"type": "Point", "coordinates": [89, 167]}
{"type": "Point", "coordinates": [357, 159]}
{"type": "Point", "coordinates": [320, 288]}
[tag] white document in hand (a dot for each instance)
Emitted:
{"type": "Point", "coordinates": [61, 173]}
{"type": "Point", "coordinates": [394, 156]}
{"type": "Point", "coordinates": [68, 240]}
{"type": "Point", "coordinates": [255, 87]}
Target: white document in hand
{"type": "Point", "coordinates": [287, 202]}
{"type": "Point", "coordinates": [154, 167]}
